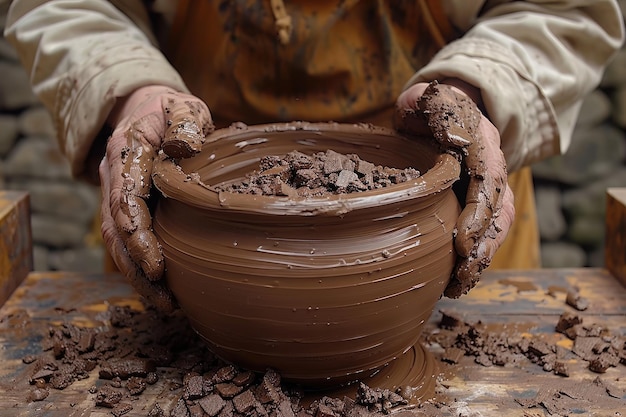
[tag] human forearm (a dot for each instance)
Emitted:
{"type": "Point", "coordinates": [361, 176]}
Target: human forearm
{"type": "Point", "coordinates": [82, 56]}
{"type": "Point", "coordinates": [533, 64]}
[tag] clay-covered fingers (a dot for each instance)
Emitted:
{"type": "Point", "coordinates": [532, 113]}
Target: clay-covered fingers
{"type": "Point", "coordinates": [151, 119]}
{"type": "Point", "coordinates": [469, 268]}
{"type": "Point", "coordinates": [188, 123]}
{"type": "Point", "coordinates": [437, 110]}
{"type": "Point", "coordinates": [486, 168]}
{"type": "Point", "coordinates": [130, 155]}
{"type": "Point", "coordinates": [154, 292]}
{"type": "Point", "coordinates": [407, 117]}
{"type": "Point", "coordinates": [184, 124]}
{"type": "Point", "coordinates": [488, 209]}
{"type": "Point", "coordinates": [448, 114]}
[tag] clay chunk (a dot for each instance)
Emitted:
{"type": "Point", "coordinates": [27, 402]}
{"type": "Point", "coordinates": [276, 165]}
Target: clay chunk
{"type": "Point", "coordinates": [298, 174]}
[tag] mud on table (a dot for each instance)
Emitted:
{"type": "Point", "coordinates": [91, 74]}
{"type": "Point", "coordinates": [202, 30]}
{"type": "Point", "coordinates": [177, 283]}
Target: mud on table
{"type": "Point", "coordinates": [524, 302]}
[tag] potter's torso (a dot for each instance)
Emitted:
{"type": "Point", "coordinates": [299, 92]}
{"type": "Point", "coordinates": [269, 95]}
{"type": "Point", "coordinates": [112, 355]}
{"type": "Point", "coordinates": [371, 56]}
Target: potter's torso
{"type": "Point", "coordinates": [342, 60]}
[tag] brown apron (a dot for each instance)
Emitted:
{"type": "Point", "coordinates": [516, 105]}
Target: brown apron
{"type": "Point", "coordinates": [261, 61]}
{"type": "Point", "coordinates": [344, 60]}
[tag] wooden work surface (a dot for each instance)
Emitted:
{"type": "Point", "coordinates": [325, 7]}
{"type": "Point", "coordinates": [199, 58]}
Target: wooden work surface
{"type": "Point", "coordinates": [530, 300]}
{"type": "Point", "coordinates": [16, 248]}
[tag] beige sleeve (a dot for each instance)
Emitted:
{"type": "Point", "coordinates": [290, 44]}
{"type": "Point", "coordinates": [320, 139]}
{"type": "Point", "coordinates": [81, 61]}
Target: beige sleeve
{"type": "Point", "coordinates": [81, 57]}
{"type": "Point", "coordinates": [534, 62]}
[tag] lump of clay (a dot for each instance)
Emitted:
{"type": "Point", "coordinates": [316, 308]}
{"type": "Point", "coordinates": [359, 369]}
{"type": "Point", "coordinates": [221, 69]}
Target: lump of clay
{"type": "Point", "coordinates": [298, 174]}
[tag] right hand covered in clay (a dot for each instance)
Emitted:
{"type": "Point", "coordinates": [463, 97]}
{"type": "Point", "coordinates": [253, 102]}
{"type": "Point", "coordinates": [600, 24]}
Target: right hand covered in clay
{"type": "Point", "coordinates": [450, 115]}
{"type": "Point", "coordinates": [150, 119]}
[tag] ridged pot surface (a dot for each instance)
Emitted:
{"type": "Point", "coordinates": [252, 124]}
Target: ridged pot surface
{"type": "Point", "coordinates": [324, 290]}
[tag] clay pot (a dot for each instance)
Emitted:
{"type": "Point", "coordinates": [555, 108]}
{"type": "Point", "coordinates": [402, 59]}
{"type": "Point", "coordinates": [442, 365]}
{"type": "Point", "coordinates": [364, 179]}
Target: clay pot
{"type": "Point", "coordinates": [323, 290]}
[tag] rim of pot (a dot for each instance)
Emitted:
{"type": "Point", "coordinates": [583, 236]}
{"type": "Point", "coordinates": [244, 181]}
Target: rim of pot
{"type": "Point", "coordinates": [173, 183]}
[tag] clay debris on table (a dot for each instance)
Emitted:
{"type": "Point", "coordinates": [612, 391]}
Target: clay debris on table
{"type": "Point", "coordinates": [298, 174]}
{"type": "Point", "coordinates": [593, 343]}
{"type": "Point", "coordinates": [134, 348]}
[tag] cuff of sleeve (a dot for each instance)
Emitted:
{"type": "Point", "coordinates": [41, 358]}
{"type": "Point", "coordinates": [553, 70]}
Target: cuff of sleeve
{"type": "Point", "coordinates": [83, 107]}
{"type": "Point", "coordinates": [515, 104]}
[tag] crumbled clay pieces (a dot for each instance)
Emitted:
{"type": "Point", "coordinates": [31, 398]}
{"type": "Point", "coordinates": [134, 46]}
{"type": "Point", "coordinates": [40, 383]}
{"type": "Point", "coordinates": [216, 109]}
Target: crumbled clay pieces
{"type": "Point", "coordinates": [129, 362]}
{"type": "Point", "coordinates": [592, 343]}
{"type": "Point", "coordinates": [298, 174]}
{"type": "Point", "coordinates": [570, 397]}
{"type": "Point", "coordinates": [574, 299]}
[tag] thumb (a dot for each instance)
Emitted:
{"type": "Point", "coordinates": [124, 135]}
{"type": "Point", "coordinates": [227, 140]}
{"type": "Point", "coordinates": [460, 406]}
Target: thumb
{"type": "Point", "coordinates": [188, 123]}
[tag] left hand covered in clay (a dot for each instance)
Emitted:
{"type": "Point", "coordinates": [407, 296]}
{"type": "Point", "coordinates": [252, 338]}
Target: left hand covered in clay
{"type": "Point", "coordinates": [449, 113]}
{"type": "Point", "coordinates": [150, 120]}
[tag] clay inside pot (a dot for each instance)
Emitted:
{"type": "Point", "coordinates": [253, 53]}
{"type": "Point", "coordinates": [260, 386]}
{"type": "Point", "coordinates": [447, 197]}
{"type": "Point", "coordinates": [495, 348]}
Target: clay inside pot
{"type": "Point", "coordinates": [326, 290]}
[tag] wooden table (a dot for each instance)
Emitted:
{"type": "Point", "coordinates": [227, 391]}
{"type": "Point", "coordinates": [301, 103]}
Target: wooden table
{"type": "Point", "coordinates": [530, 300]}
{"type": "Point", "coordinates": [16, 248]}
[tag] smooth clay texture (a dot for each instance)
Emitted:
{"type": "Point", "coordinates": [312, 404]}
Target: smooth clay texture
{"type": "Point", "coordinates": [326, 290]}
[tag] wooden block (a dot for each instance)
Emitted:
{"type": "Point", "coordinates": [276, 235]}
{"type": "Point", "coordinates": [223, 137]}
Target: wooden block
{"type": "Point", "coordinates": [16, 246]}
{"type": "Point", "coordinates": [615, 251]}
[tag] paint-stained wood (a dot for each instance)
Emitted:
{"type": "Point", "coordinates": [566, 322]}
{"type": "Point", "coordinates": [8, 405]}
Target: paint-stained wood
{"type": "Point", "coordinates": [615, 254]}
{"type": "Point", "coordinates": [528, 301]}
{"type": "Point", "coordinates": [16, 248]}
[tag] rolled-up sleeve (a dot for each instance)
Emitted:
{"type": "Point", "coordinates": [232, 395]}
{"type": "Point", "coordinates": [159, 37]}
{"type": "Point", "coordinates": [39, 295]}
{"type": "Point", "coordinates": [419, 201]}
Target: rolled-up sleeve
{"type": "Point", "coordinates": [534, 62]}
{"type": "Point", "coordinates": [81, 56]}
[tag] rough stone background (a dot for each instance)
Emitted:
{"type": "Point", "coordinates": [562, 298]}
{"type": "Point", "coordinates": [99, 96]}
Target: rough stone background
{"type": "Point", "coordinates": [63, 209]}
{"type": "Point", "coordinates": [570, 189]}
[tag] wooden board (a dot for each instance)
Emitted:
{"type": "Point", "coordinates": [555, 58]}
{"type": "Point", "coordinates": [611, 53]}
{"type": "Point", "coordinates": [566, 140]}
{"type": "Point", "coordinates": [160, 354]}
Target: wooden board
{"type": "Point", "coordinates": [41, 301]}
{"type": "Point", "coordinates": [530, 301]}
{"type": "Point", "coordinates": [16, 248]}
{"type": "Point", "coordinates": [615, 254]}
{"type": "Point", "coordinates": [533, 301]}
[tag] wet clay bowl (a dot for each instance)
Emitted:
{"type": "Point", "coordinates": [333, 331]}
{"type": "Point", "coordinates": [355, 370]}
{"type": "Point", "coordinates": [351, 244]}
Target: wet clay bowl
{"type": "Point", "coordinates": [324, 290]}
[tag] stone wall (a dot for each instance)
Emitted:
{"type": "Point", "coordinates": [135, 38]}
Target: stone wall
{"type": "Point", "coordinates": [570, 189]}
{"type": "Point", "coordinates": [63, 210]}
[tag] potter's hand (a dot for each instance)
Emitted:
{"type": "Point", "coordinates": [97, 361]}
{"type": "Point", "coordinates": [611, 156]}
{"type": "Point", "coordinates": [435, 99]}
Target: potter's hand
{"type": "Point", "coordinates": [148, 120]}
{"type": "Point", "coordinates": [453, 118]}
